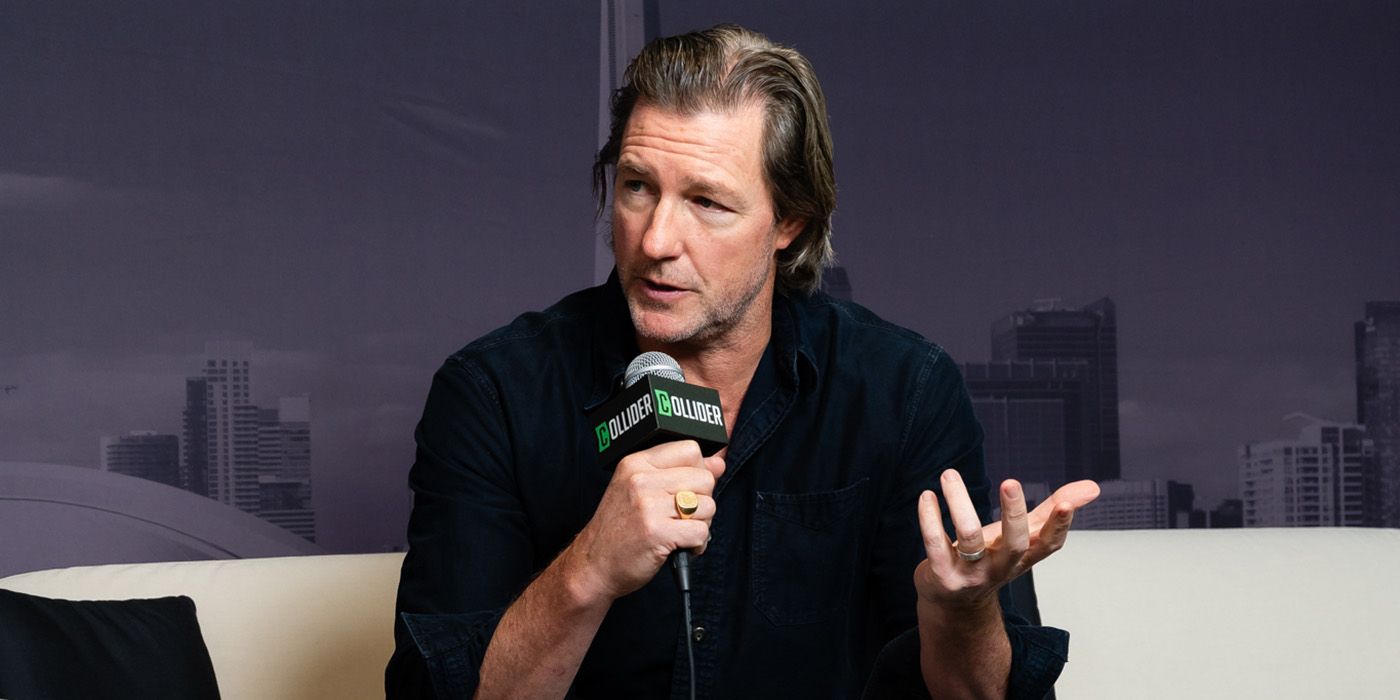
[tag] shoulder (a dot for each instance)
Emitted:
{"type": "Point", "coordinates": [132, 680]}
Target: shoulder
{"type": "Point", "coordinates": [536, 343]}
{"type": "Point", "coordinates": [566, 318]}
{"type": "Point", "coordinates": [849, 338]}
{"type": "Point", "coordinates": [906, 388]}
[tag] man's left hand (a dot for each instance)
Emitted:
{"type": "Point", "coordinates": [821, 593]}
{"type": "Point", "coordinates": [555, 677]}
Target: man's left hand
{"type": "Point", "coordinates": [950, 580]}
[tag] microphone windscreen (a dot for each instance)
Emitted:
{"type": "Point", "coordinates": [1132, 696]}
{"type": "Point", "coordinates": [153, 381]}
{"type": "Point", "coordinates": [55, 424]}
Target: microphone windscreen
{"type": "Point", "coordinates": [653, 364]}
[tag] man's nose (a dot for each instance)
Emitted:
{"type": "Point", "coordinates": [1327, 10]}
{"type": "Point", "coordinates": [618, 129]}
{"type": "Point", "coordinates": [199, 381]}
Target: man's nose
{"type": "Point", "coordinates": [664, 234]}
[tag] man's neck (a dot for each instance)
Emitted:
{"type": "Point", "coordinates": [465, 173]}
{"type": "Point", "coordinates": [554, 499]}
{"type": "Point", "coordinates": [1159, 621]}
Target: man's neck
{"type": "Point", "coordinates": [725, 364]}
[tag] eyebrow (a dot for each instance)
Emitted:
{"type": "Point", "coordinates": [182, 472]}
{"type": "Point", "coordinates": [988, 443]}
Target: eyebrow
{"type": "Point", "coordinates": [702, 187]}
{"type": "Point", "coordinates": [713, 191]}
{"type": "Point", "coordinates": [633, 166]}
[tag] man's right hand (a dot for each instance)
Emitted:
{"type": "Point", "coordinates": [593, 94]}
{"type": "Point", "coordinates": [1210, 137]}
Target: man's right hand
{"type": "Point", "coordinates": [636, 525]}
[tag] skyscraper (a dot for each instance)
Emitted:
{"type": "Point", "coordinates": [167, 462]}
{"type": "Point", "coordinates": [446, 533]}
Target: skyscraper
{"type": "Point", "coordinates": [284, 452]}
{"type": "Point", "coordinates": [256, 460]}
{"type": "Point", "coordinates": [1317, 480]}
{"type": "Point", "coordinates": [1033, 417]}
{"type": "Point", "coordinates": [143, 454]}
{"type": "Point", "coordinates": [1088, 334]}
{"type": "Point", "coordinates": [194, 458]}
{"type": "Point", "coordinates": [1378, 402]}
{"type": "Point", "coordinates": [230, 424]}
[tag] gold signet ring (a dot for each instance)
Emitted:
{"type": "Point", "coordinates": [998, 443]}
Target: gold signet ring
{"type": "Point", "coordinates": [687, 503]}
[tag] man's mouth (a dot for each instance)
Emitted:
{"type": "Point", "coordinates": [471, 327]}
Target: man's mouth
{"type": "Point", "coordinates": [661, 286]}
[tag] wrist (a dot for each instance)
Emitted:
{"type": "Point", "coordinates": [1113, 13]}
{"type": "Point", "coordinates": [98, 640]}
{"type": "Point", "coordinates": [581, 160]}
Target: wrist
{"type": "Point", "coordinates": [946, 617]}
{"type": "Point", "coordinates": [583, 586]}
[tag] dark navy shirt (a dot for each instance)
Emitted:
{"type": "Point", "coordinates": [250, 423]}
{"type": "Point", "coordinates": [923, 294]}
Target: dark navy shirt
{"type": "Point", "coordinates": [806, 588]}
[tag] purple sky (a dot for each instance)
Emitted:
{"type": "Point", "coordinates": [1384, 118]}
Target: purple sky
{"type": "Point", "coordinates": [362, 192]}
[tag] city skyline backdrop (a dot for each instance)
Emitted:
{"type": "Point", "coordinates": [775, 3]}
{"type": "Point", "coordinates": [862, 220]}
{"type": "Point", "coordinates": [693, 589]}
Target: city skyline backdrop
{"type": "Point", "coordinates": [363, 199]}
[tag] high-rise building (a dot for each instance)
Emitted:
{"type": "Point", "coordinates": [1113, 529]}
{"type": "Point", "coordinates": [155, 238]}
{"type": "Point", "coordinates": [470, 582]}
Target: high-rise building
{"type": "Point", "coordinates": [1317, 480]}
{"type": "Point", "coordinates": [1033, 416]}
{"type": "Point", "coordinates": [1230, 513]}
{"type": "Point", "coordinates": [194, 457]}
{"type": "Point", "coordinates": [1048, 332]}
{"type": "Point", "coordinates": [230, 424]}
{"type": "Point", "coordinates": [284, 451]}
{"type": "Point", "coordinates": [1378, 403]}
{"type": "Point", "coordinates": [1148, 504]}
{"type": "Point", "coordinates": [144, 454]}
{"type": "Point", "coordinates": [257, 460]}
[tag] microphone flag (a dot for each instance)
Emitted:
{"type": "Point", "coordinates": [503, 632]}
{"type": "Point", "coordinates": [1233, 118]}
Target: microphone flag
{"type": "Point", "coordinates": [654, 410]}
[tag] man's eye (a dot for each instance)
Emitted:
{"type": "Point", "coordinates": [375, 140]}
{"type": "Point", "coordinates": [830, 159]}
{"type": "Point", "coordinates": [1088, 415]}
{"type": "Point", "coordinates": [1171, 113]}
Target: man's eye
{"type": "Point", "coordinates": [706, 203]}
{"type": "Point", "coordinates": [634, 186]}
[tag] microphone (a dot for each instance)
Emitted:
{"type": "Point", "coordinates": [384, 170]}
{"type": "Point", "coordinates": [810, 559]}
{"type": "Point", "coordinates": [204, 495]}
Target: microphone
{"type": "Point", "coordinates": [656, 406]}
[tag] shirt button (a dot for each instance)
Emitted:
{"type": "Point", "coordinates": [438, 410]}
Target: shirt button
{"type": "Point", "coordinates": [698, 633]}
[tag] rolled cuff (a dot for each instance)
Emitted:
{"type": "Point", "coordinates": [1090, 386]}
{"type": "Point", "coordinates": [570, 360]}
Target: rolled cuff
{"type": "Point", "coordinates": [451, 647]}
{"type": "Point", "coordinates": [1038, 654]}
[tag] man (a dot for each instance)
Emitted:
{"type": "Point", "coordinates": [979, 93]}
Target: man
{"type": "Point", "coordinates": [824, 566]}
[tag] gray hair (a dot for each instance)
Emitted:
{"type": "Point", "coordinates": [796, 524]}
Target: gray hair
{"type": "Point", "coordinates": [720, 69]}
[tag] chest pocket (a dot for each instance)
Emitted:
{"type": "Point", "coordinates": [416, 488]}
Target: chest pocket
{"type": "Point", "coordinates": [805, 553]}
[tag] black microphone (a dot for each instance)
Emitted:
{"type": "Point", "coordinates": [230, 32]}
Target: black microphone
{"type": "Point", "coordinates": [657, 406]}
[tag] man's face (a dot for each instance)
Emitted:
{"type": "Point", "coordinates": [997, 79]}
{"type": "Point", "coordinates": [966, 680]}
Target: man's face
{"type": "Point", "coordinates": [693, 224]}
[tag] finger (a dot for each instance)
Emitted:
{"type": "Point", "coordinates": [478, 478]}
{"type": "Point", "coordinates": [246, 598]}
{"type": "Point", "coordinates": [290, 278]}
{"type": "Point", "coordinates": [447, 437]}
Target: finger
{"type": "Point", "coordinates": [676, 479]}
{"type": "Point", "coordinates": [715, 463]}
{"type": "Point", "coordinates": [965, 521]}
{"type": "Point", "coordinates": [683, 453]}
{"type": "Point", "coordinates": [1077, 494]}
{"type": "Point", "coordinates": [1064, 516]}
{"type": "Point", "coordinates": [1015, 530]}
{"type": "Point", "coordinates": [1068, 520]}
{"type": "Point", "coordinates": [935, 539]}
{"type": "Point", "coordinates": [1043, 513]}
{"type": "Point", "coordinates": [668, 455]}
{"type": "Point", "coordinates": [991, 532]}
{"type": "Point", "coordinates": [666, 508]}
{"type": "Point", "coordinates": [709, 522]}
{"type": "Point", "coordinates": [1053, 534]}
{"type": "Point", "coordinates": [688, 534]}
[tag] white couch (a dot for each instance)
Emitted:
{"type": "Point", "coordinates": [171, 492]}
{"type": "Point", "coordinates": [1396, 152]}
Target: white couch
{"type": "Point", "coordinates": [1152, 614]}
{"type": "Point", "coordinates": [286, 627]}
{"type": "Point", "coordinates": [1266, 613]}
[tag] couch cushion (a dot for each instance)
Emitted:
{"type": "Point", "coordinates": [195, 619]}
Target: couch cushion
{"type": "Point", "coordinates": [144, 648]}
{"type": "Point", "coordinates": [1244, 613]}
{"type": "Point", "coordinates": [286, 628]}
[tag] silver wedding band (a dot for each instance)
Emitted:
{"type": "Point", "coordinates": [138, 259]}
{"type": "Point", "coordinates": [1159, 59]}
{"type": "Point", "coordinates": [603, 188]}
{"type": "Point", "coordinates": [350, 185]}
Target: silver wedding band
{"type": "Point", "coordinates": [970, 556]}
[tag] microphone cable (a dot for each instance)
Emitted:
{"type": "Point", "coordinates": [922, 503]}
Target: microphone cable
{"type": "Point", "coordinates": [682, 564]}
{"type": "Point", "coordinates": [662, 365]}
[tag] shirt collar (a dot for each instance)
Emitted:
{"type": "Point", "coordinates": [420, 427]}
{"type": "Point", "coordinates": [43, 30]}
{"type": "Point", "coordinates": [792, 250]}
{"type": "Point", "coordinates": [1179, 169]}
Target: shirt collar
{"type": "Point", "coordinates": [615, 340]}
{"type": "Point", "coordinates": [792, 338]}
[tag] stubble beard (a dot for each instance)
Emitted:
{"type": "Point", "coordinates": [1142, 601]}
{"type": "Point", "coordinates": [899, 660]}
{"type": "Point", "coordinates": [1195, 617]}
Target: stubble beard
{"type": "Point", "coordinates": [717, 318]}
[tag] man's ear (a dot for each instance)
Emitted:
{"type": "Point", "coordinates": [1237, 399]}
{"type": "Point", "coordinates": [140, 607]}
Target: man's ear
{"type": "Point", "coordinates": [788, 231]}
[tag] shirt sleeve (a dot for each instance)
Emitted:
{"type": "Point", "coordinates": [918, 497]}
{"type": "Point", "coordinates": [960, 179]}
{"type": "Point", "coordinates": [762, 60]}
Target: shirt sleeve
{"type": "Point", "coordinates": [469, 552]}
{"type": "Point", "coordinates": [939, 432]}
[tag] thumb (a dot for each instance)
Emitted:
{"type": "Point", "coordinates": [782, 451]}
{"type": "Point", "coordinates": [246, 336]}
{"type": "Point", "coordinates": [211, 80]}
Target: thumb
{"type": "Point", "coordinates": [715, 464]}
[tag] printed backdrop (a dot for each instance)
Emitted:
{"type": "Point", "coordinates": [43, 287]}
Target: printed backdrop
{"type": "Point", "coordinates": [333, 198]}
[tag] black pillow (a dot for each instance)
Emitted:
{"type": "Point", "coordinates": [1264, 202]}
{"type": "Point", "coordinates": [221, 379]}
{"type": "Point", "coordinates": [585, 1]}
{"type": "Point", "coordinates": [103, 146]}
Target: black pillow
{"type": "Point", "coordinates": [58, 649]}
